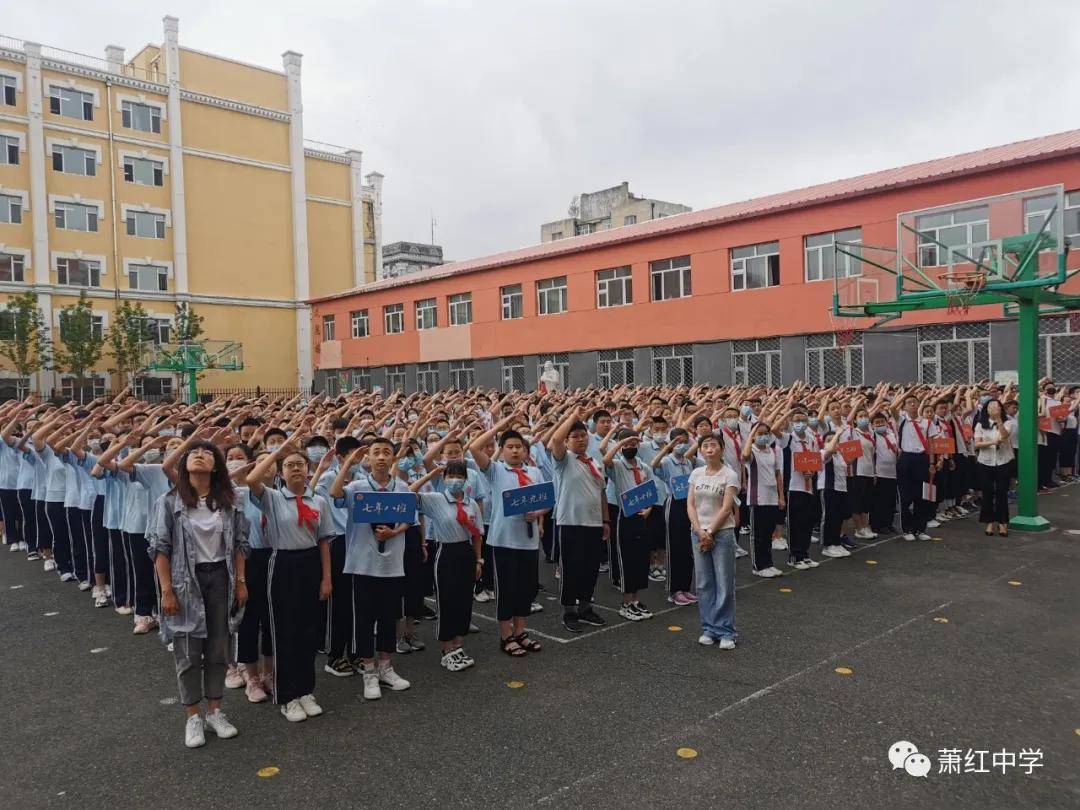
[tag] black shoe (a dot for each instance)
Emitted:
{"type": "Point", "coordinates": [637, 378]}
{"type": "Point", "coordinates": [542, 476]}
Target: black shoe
{"type": "Point", "coordinates": [571, 622]}
{"type": "Point", "coordinates": [848, 543]}
{"type": "Point", "coordinates": [590, 617]}
{"type": "Point", "coordinates": [340, 668]}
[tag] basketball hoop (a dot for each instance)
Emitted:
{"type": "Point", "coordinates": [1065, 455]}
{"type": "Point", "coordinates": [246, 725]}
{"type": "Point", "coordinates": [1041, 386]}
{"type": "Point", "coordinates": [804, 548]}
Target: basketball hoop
{"type": "Point", "coordinates": [963, 286]}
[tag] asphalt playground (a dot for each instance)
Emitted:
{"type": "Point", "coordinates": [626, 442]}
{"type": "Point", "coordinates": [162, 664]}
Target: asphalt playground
{"type": "Point", "coordinates": [963, 642]}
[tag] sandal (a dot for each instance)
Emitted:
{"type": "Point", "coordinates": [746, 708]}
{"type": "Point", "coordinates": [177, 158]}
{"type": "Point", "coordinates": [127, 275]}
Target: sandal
{"type": "Point", "coordinates": [1003, 532]}
{"type": "Point", "coordinates": [528, 644]}
{"type": "Point", "coordinates": [511, 647]}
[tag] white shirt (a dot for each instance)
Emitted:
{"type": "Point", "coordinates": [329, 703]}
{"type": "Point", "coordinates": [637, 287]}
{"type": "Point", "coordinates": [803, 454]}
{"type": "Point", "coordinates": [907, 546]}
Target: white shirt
{"type": "Point", "coordinates": [709, 490]}
{"type": "Point", "coordinates": [209, 541]}
{"type": "Point", "coordinates": [992, 456]}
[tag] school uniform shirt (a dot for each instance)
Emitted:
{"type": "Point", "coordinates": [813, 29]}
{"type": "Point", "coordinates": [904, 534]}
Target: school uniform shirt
{"type": "Point", "coordinates": [1055, 424]}
{"type": "Point", "coordinates": [136, 504]}
{"type": "Point", "coordinates": [153, 478]}
{"type": "Point", "coordinates": [808, 442]}
{"type": "Point", "coordinates": [72, 485]}
{"type": "Point", "coordinates": [579, 490]}
{"type": "Point", "coordinates": [27, 471]}
{"type": "Point", "coordinates": [908, 431]}
{"type": "Point", "coordinates": [338, 514]}
{"type": "Point", "coordinates": [255, 518]}
{"type": "Point", "coordinates": [833, 473]}
{"type": "Point", "coordinates": [1014, 433]}
{"type": "Point", "coordinates": [709, 490]}
{"type": "Point", "coordinates": [864, 464]}
{"type": "Point", "coordinates": [441, 510]}
{"type": "Point", "coordinates": [992, 456]}
{"type": "Point", "coordinates": [9, 466]}
{"type": "Point", "coordinates": [284, 530]}
{"type": "Point", "coordinates": [734, 441]}
{"type": "Point", "coordinates": [509, 532]}
{"type": "Point", "coordinates": [623, 477]}
{"type": "Point", "coordinates": [761, 470]}
{"type": "Point", "coordinates": [886, 450]}
{"type": "Point", "coordinates": [362, 555]}
{"type": "Point", "coordinates": [55, 476]}
{"type": "Point", "coordinates": [648, 449]}
{"type": "Point", "coordinates": [113, 513]}
{"type": "Point", "coordinates": [672, 467]}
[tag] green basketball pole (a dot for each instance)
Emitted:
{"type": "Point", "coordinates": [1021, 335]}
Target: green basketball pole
{"type": "Point", "coordinates": [1027, 516]}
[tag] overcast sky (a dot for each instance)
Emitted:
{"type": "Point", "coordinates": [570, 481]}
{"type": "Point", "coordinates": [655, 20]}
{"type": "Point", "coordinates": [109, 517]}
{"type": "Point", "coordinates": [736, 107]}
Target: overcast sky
{"type": "Point", "coordinates": [492, 115]}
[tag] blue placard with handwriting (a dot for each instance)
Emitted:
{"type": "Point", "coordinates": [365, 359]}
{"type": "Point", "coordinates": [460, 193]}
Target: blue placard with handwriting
{"type": "Point", "coordinates": [637, 498]}
{"type": "Point", "coordinates": [528, 499]}
{"type": "Point", "coordinates": [384, 507]}
{"type": "Point", "coordinates": [680, 487]}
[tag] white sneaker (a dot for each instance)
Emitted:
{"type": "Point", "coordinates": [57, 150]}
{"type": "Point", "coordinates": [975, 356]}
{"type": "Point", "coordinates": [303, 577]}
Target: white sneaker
{"type": "Point", "coordinates": [769, 573]}
{"type": "Point", "coordinates": [744, 530]}
{"type": "Point", "coordinates": [467, 659]}
{"type": "Point", "coordinates": [811, 563]}
{"type": "Point", "coordinates": [909, 536]}
{"type": "Point", "coordinates": [535, 607]}
{"type": "Point", "coordinates": [234, 678]}
{"type": "Point", "coordinates": [483, 596]}
{"type": "Point", "coordinates": [706, 640]}
{"type": "Point", "coordinates": [13, 547]}
{"type": "Point", "coordinates": [865, 534]}
{"type": "Point", "coordinates": [932, 524]}
{"type": "Point", "coordinates": [740, 551]}
{"type": "Point", "coordinates": [726, 644]}
{"type": "Point", "coordinates": [49, 564]}
{"type": "Point", "coordinates": [835, 551]}
{"type": "Point", "coordinates": [779, 544]}
{"type": "Point", "coordinates": [815, 538]}
{"type": "Point", "coordinates": [220, 725]}
{"type": "Point", "coordinates": [194, 736]}
{"type": "Point", "coordinates": [800, 565]}
{"type": "Point", "coordinates": [629, 612]}
{"type": "Point", "coordinates": [294, 712]}
{"type": "Point", "coordinates": [453, 662]}
{"type": "Point", "coordinates": [371, 683]}
{"type": "Point", "coordinates": [387, 677]}
{"type": "Point", "coordinates": [310, 707]}
{"type": "Point", "coordinates": [100, 598]}
{"type": "Point", "coordinates": [924, 535]}
{"type": "Point", "coordinates": [85, 586]}
{"type": "Point", "coordinates": [67, 576]}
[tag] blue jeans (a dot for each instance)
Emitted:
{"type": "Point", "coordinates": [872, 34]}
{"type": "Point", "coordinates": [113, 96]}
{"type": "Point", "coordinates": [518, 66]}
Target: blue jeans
{"type": "Point", "coordinates": [715, 575]}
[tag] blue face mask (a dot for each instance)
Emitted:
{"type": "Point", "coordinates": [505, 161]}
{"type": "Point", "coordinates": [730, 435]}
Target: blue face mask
{"type": "Point", "coordinates": [317, 453]}
{"type": "Point", "coordinates": [862, 422]}
{"type": "Point", "coordinates": [406, 464]}
{"type": "Point", "coordinates": [455, 486]}
{"type": "Point", "coordinates": [984, 399]}
{"type": "Point", "coordinates": [762, 441]}
{"type": "Point", "coordinates": [814, 422]}
{"type": "Point", "coordinates": [442, 433]}
{"type": "Point", "coordinates": [681, 448]}
{"type": "Point", "coordinates": [746, 411]}
{"type": "Point", "coordinates": [881, 430]}
{"type": "Point", "coordinates": [799, 427]}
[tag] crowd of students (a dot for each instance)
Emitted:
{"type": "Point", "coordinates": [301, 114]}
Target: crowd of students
{"type": "Point", "coordinates": [230, 527]}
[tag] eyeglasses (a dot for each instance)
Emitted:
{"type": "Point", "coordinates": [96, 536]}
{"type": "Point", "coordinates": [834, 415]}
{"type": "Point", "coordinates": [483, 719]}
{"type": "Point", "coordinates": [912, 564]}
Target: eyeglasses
{"type": "Point", "coordinates": [201, 451]}
{"type": "Point", "coordinates": [294, 465]}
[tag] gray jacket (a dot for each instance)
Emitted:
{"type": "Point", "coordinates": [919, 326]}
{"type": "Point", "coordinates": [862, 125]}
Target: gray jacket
{"type": "Point", "coordinates": [169, 532]}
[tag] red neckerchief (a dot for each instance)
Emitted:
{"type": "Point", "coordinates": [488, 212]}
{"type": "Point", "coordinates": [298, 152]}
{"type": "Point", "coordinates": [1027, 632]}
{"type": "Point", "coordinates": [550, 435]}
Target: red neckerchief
{"type": "Point", "coordinates": [637, 473]}
{"type": "Point", "coordinates": [587, 461]}
{"type": "Point", "coordinates": [306, 517]}
{"type": "Point", "coordinates": [918, 431]}
{"type": "Point", "coordinates": [466, 522]}
{"type": "Point", "coordinates": [738, 444]}
{"type": "Point", "coordinates": [523, 479]}
{"type": "Point", "coordinates": [889, 444]}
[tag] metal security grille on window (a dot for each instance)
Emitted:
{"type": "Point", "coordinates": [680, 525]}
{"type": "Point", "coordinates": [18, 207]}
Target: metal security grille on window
{"type": "Point", "coordinates": [1059, 351]}
{"type": "Point", "coordinates": [427, 377]}
{"type": "Point", "coordinates": [829, 364]}
{"type": "Point", "coordinates": [673, 365]}
{"type": "Point", "coordinates": [756, 362]}
{"type": "Point", "coordinates": [462, 375]}
{"type": "Point", "coordinates": [513, 373]}
{"type": "Point", "coordinates": [954, 354]}
{"type": "Point", "coordinates": [395, 378]}
{"type": "Point", "coordinates": [615, 367]}
{"type": "Point", "coordinates": [361, 380]}
{"type": "Point", "coordinates": [671, 278]}
{"type": "Point", "coordinates": [561, 361]}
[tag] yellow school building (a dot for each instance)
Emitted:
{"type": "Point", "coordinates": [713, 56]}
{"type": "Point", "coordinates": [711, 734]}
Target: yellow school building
{"type": "Point", "coordinates": [178, 176]}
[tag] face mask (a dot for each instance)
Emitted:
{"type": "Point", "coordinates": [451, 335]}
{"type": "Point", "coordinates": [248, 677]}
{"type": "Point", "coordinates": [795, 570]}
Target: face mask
{"type": "Point", "coordinates": [234, 465]}
{"type": "Point", "coordinates": [406, 463]}
{"type": "Point", "coordinates": [984, 399]}
{"type": "Point", "coordinates": [273, 447]}
{"type": "Point", "coordinates": [731, 424]}
{"type": "Point", "coordinates": [681, 448]}
{"type": "Point", "coordinates": [814, 422]}
{"type": "Point", "coordinates": [317, 453]}
{"type": "Point", "coordinates": [881, 430]}
{"type": "Point", "coordinates": [746, 411]}
{"type": "Point", "coordinates": [455, 486]}
{"type": "Point", "coordinates": [95, 445]}
{"type": "Point", "coordinates": [799, 427]}
{"type": "Point", "coordinates": [167, 432]}
{"type": "Point", "coordinates": [762, 441]}
{"type": "Point", "coordinates": [629, 453]}
{"type": "Point", "coordinates": [442, 433]}
{"type": "Point", "coordinates": [862, 422]}
{"type": "Point", "coordinates": [150, 456]}
{"type": "Point", "coordinates": [412, 417]}
{"type": "Point", "coordinates": [659, 437]}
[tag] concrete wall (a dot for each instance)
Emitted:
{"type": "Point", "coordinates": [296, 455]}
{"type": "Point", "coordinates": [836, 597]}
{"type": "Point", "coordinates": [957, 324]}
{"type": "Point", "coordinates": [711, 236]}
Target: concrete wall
{"type": "Point", "coordinates": [582, 369]}
{"type": "Point", "coordinates": [1004, 346]}
{"type": "Point", "coordinates": [890, 355]}
{"type": "Point", "coordinates": [643, 367]}
{"type": "Point", "coordinates": [488, 372]}
{"type": "Point", "coordinates": [792, 359]}
{"type": "Point", "coordinates": [712, 363]}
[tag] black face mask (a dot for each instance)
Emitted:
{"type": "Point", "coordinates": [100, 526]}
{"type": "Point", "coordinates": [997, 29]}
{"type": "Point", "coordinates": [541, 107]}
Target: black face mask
{"type": "Point", "coordinates": [629, 453]}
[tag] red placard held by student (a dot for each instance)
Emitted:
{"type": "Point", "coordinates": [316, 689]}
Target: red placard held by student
{"type": "Point", "coordinates": [1044, 424]}
{"type": "Point", "coordinates": [1060, 411]}
{"type": "Point", "coordinates": [943, 446]}
{"type": "Point", "coordinates": [806, 461]}
{"type": "Point", "coordinates": [849, 451]}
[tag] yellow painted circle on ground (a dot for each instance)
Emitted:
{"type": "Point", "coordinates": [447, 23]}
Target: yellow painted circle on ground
{"type": "Point", "coordinates": [686, 753]}
{"type": "Point", "coordinates": [674, 628]}
{"type": "Point", "coordinates": [515, 684]}
{"type": "Point", "coordinates": [937, 539]}
{"type": "Point", "coordinates": [268, 771]}
{"type": "Point", "coordinates": [1014, 582]}
{"type": "Point", "coordinates": [844, 671]}
{"type": "Point", "coordinates": [785, 590]}
{"type": "Point", "coordinates": [1077, 730]}
{"type": "Point", "coordinates": [871, 562]}
{"type": "Point", "coordinates": [941, 620]}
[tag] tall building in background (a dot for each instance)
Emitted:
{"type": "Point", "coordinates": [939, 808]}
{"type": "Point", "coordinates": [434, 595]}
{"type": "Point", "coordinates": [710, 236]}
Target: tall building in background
{"type": "Point", "coordinates": [608, 208]}
{"type": "Point", "coordinates": [178, 176]}
{"type": "Point", "coordinates": [402, 258]}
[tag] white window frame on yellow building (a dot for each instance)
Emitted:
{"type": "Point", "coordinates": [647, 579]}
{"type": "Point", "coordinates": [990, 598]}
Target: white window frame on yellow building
{"type": "Point", "coordinates": [73, 143]}
{"type": "Point", "coordinates": [141, 98]}
{"type": "Point", "coordinates": [144, 154]}
{"type": "Point", "coordinates": [27, 267]}
{"type": "Point", "coordinates": [54, 267]}
{"type": "Point", "coordinates": [70, 84]}
{"type": "Point", "coordinates": [17, 76]}
{"type": "Point", "coordinates": [20, 138]}
{"type": "Point", "coordinates": [77, 199]}
{"type": "Point", "coordinates": [147, 260]}
{"type": "Point", "coordinates": [24, 201]}
{"type": "Point", "coordinates": [127, 208]}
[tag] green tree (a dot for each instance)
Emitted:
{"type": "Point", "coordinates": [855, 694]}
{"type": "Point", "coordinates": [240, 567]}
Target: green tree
{"type": "Point", "coordinates": [187, 323]}
{"type": "Point", "coordinates": [24, 335]}
{"type": "Point", "coordinates": [80, 345]}
{"type": "Point", "coordinates": [130, 329]}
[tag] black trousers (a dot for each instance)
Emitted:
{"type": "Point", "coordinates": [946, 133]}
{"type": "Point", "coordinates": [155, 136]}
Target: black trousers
{"type": "Point", "coordinates": [680, 553]}
{"type": "Point", "coordinates": [293, 582]}
{"type": "Point", "coordinates": [515, 581]}
{"type": "Point", "coordinates": [254, 632]}
{"type": "Point", "coordinates": [415, 586]}
{"type": "Point", "coordinates": [100, 537]}
{"type": "Point", "coordinates": [763, 520]}
{"type": "Point", "coordinates": [141, 569]}
{"type": "Point", "coordinates": [13, 517]}
{"type": "Point", "coordinates": [29, 520]}
{"type": "Point", "coordinates": [912, 471]}
{"type": "Point", "coordinates": [994, 482]}
{"type": "Point", "coordinates": [835, 511]}
{"type": "Point", "coordinates": [804, 513]}
{"type": "Point", "coordinates": [487, 576]}
{"type": "Point", "coordinates": [376, 609]}
{"type": "Point", "coordinates": [120, 579]}
{"type": "Point", "coordinates": [59, 538]}
{"type": "Point", "coordinates": [883, 505]}
{"type": "Point", "coordinates": [579, 565]}
{"type": "Point", "coordinates": [81, 552]}
{"type": "Point", "coordinates": [455, 574]}
{"type": "Point", "coordinates": [633, 545]}
{"type": "Point", "coordinates": [548, 540]}
{"type": "Point", "coordinates": [339, 607]}
{"type": "Point", "coordinates": [656, 526]}
{"type": "Point", "coordinates": [1048, 457]}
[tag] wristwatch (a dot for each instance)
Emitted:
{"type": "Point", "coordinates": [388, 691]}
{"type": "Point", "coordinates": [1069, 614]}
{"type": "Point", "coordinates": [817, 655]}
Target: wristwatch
{"type": "Point", "coordinates": [479, 560]}
{"type": "Point", "coordinates": [241, 579]}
